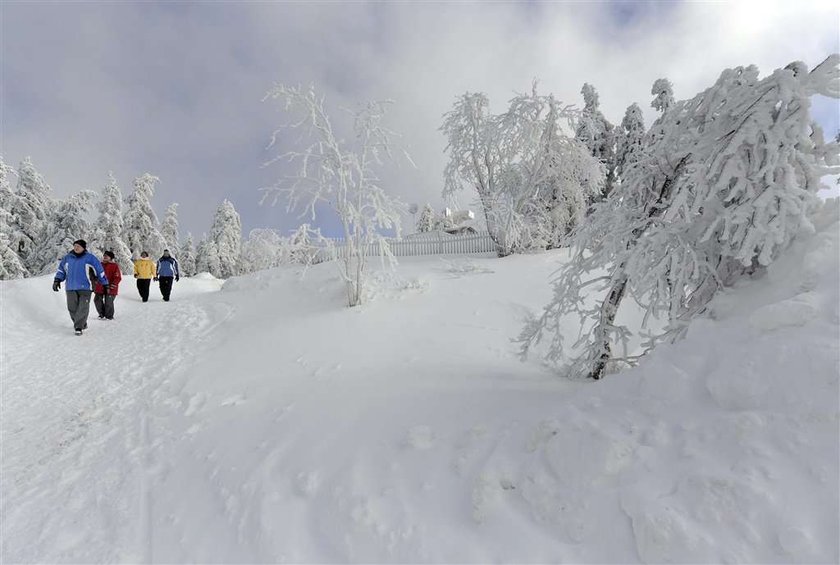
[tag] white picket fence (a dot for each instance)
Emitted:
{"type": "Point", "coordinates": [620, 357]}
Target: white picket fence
{"type": "Point", "coordinates": [435, 243]}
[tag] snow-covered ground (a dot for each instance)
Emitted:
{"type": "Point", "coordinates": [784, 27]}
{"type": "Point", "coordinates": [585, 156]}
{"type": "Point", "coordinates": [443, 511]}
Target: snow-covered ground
{"type": "Point", "coordinates": [265, 422]}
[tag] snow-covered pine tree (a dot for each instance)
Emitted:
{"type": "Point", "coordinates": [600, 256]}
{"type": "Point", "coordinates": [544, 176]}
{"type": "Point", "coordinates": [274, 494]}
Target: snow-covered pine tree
{"type": "Point", "coordinates": [226, 235]}
{"type": "Point", "coordinates": [630, 139]}
{"type": "Point", "coordinates": [426, 221]}
{"type": "Point", "coordinates": [109, 225]}
{"type": "Point", "coordinates": [140, 223]}
{"type": "Point", "coordinates": [726, 182]}
{"type": "Point", "coordinates": [169, 231]}
{"type": "Point", "coordinates": [332, 171]}
{"type": "Point", "coordinates": [531, 178]}
{"type": "Point", "coordinates": [32, 210]}
{"type": "Point", "coordinates": [186, 262]}
{"type": "Point", "coordinates": [207, 258]}
{"type": "Point", "coordinates": [7, 195]}
{"type": "Point", "coordinates": [597, 133]}
{"type": "Point", "coordinates": [69, 224]}
{"type": "Point", "coordinates": [663, 92]}
{"type": "Point", "coordinates": [11, 267]}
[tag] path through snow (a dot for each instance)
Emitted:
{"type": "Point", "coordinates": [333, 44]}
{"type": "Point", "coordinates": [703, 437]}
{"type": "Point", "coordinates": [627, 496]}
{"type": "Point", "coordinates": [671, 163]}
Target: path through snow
{"type": "Point", "coordinates": [85, 418]}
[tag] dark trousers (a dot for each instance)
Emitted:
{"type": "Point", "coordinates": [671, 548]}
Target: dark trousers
{"type": "Point", "coordinates": [104, 305]}
{"type": "Point", "coordinates": [165, 287]}
{"type": "Point", "coordinates": [143, 288]}
{"type": "Point", "coordinates": [78, 304]}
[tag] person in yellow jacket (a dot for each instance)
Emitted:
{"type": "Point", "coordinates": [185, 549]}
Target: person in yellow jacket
{"type": "Point", "coordinates": [144, 272]}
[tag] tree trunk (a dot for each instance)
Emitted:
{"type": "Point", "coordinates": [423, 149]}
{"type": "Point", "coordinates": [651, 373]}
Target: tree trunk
{"type": "Point", "coordinates": [609, 307]}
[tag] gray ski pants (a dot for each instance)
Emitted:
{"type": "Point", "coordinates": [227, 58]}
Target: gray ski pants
{"type": "Point", "coordinates": [78, 304]}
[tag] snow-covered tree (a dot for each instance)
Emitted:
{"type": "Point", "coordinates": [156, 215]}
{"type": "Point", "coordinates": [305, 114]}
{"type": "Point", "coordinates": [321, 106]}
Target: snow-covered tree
{"type": "Point", "coordinates": [304, 245]}
{"type": "Point", "coordinates": [630, 139]}
{"type": "Point", "coordinates": [226, 235]}
{"type": "Point", "coordinates": [186, 262]}
{"type": "Point", "coordinates": [426, 221]}
{"type": "Point", "coordinates": [345, 177]}
{"type": "Point", "coordinates": [109, 225]}
{"type": "Point", "coordinates": [262, 250]}
{"type": "Point", "coordinates": [7, 196]}
{"type": "Point", "coordinates": [727, 181]}
{"type": "Point", "coordinates": [140, 223]}
{"type": "Point", "coordinates": [31, 212]}
{"type": "Point", "coordinates": [597, 133]}
{"type": "Point", "coordinates": [69, 224]}
{"type": "Point", "coordinates": [207, 258]}
{"type": "Point", "coordinates": [663, 92]}
{"type": "Point", "coordinates": [532, 179]}
{"type": "Point", "coordinates": [11, 267]}
{"type": "Point", "coordinates": [169, 231]}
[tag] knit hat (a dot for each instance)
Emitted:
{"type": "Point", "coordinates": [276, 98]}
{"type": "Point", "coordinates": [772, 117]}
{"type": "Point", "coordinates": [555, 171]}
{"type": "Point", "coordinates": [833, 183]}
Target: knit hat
{"type": "Point", "coordinates": [81, 242]}
{"type": "Point", "coordinates": [109, 254]}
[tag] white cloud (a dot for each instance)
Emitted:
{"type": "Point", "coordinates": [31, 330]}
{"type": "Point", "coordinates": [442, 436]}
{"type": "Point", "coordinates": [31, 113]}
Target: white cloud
{"type": "Point", "coordinates": [175, 88]}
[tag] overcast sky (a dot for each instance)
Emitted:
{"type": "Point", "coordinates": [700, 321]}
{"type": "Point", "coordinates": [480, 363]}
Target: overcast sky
{"type": "Point", "coordinates": [175, 88]}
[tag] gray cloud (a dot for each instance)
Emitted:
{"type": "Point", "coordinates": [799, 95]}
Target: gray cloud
{"type": "Point", "coordinates": [175, 88]}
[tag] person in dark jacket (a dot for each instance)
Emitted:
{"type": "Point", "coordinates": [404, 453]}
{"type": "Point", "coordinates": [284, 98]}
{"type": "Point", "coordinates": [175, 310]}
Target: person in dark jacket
{"type": "Point", "coordinates": [104, 301]}
{"type": "Point", "coordinates": [167, 270]}
{"type": "Point", "coordinates": [78, 269]}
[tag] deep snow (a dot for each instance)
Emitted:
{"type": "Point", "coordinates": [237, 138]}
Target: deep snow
{"type": "Point", "coordinates": [268, 423]}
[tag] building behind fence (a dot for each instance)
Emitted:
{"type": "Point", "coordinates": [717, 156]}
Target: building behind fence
{"type": "Point", "coordinates": [429, 243]}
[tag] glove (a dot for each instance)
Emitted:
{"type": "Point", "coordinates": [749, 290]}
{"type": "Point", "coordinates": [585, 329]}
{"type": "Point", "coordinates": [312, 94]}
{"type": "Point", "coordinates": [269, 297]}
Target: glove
{"type": "Point", "coordinates": [56, 285]}
{"type": "Point", "coordinates": [106, 289]}
{"type": "Point", "coordinates": [177, 278]}
{"type": "Point", "coordinates": [155, 278]}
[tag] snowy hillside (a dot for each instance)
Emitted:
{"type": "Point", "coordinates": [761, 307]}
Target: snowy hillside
{"type": "Point", "coordinates": [263, 421]}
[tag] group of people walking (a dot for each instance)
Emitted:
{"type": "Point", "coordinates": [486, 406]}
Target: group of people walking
{"type": "Point", "coordinates": [83, 274]}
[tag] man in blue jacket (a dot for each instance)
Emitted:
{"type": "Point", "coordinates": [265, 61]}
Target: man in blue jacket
{"type": "Point", "coordinates": [79, 269]}
{"type": "Point", "coordinates": [167, 269]}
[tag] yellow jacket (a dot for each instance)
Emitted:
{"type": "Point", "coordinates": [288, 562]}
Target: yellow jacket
{"type": "Point", "coordinates": [144, 269]}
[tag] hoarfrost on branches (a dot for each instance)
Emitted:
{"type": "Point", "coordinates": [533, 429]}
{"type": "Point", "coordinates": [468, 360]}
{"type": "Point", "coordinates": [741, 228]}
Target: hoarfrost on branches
{"type": "Point", "coordinates": [109, 225]}
{"type": "Point", "coordinates": [69, 224]}
{"type": "Point", "coordinates": [31, 210]}
{"type": "Point", "coordinates": [169, 231]}
{"type": "Point", "coordinates": [344, 177]}
{"type": "Point", "coordinates": [532, 179]}
{"type": "Point", "coordinates": [598, 134]}
{"type": "Point", "coordinates": [226, 235]}
{"type": "Point", "coordinates": [630, 140]}
{"type": "Point", "coordinates": [207, 258]}
{"type": "Point", "coordinates": [426, 221]}
{"type": "Point", "coordinates": [11, 267]}
{"type": "Point", "coordinates": [726, 181]}
{"type": "Point", "coordinates": [186, 262]}
{"type": "Point", "coordinates": [262, 250]}
{"type": "Point", "coordinates": [140, 223]}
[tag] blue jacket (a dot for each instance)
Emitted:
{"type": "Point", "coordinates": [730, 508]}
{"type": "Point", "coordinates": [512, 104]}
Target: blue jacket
{"type": "Point", "coordinates": [167, 267]}
{"type": "Point", "coordinates": [79, 271]}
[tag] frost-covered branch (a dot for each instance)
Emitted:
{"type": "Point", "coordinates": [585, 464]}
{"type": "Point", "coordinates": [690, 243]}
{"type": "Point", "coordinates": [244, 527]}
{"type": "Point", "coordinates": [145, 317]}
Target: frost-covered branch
{"type": "Point", "coordinates": [342, 175]}
{"type": "Point", "coordinates": [723, 183]}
